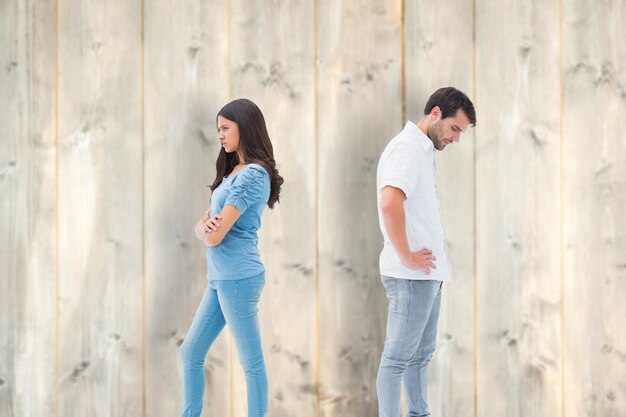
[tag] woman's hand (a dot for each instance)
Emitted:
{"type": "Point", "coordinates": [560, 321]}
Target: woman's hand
{"type": "Point", "coordinates": [220, 224]}
{"type": "Point", "coordinates": [201, 227]}
{"type": "Point", "coordinates": [213, 223]}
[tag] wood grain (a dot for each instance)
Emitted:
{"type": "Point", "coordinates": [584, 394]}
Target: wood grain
{"type": "Point", "coordinates": [434, 61]}
{"type": "Point", "coordinates": [594, 197]}
{"type": "Point", "coordinates": [359, 111]}
{"type": "Point", "coordinates": [27, 209]}
{"type": "Point", "coordinates": [531, 200]}
{"type": "Point", "coordinates": [276, 71]}
{"type": "Point", "coordinates": [517, 209]}
{"type": "Point", "coordinates": [186, 83]}
{"type": "Point", "coordinates": [100, 209]}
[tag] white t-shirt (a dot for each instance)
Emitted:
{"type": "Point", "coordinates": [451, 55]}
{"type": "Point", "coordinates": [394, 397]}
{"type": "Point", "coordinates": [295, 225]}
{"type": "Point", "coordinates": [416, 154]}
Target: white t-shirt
{"type": "Point", "coordinates": [408, 163]}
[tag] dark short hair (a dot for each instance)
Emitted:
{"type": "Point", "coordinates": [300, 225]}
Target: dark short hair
{"type": "Point", "coordinates": [449, 100]}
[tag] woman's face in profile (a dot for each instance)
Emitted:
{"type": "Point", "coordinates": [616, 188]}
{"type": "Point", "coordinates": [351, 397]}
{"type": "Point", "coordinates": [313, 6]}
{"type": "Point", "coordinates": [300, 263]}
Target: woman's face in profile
{"type": "Point", "coordinates": [228, 134]}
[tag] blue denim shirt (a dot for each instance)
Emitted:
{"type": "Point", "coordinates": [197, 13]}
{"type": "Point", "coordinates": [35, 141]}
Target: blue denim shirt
{"type": "Point", "coordinates": [237, 257]}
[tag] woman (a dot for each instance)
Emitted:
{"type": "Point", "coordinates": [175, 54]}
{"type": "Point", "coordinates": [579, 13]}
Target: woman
{"type": "Point", "coordinates": [247, 180]}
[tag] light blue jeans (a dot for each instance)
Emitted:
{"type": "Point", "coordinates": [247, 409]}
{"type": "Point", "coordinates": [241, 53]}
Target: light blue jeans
{"type": "Point", "coordinates": [232, 302]}
{"type": "Point", "coordinates": [409, 345]}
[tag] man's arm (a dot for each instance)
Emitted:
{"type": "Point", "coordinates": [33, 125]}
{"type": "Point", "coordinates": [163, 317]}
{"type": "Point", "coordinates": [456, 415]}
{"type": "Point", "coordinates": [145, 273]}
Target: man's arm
{"type": "Point", "coordinates": [392, 207]}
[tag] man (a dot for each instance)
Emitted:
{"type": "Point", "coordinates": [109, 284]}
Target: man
{"type": "Point", "coordinates": [413, 262]}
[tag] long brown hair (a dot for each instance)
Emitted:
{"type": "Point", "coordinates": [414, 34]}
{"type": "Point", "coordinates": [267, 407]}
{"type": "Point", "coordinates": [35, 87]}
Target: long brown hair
{"type": "Point", "coordinates": [254, 143]}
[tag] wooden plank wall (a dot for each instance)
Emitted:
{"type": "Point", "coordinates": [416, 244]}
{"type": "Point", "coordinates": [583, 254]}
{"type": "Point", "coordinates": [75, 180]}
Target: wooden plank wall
{"type": "Point", "coordinates": [433, 61]}
{"type": "Point", "coordinates": [27, 210]}
{"type": "Point", "coordinates": [186, 81]}
{"type": "Point", "coordinates": [277, 72]}
{"type": "Point", "coordinates": [100, 209]}
{"type": "Point", "coordinates": [108, 144]}
{"type": "Point", "coordinates": [359, 110]}
{"type": "Point", "coordinates": [594, 197]}
{"type": "Point", "coordinates": [518, 296]}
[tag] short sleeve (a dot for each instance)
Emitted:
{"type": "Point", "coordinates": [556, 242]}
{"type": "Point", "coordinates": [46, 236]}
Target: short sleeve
{"type": "Point", "coordinates": [401, 169]}
{"type": "Point", "coordinates": [247, 188]}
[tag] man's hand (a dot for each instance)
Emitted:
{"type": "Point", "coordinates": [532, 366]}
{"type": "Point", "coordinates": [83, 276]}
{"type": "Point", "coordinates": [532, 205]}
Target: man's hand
{"type": "Point", "coordinates": [422, 259]}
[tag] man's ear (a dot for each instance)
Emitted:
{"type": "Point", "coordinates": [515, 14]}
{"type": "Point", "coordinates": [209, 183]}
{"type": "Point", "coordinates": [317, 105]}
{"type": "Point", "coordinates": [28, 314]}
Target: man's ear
{"type": "Point", "coordinates": [435, 114]}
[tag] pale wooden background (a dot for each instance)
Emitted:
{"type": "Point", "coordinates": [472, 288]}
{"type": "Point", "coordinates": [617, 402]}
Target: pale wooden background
{"type": "Point", "coordinates": [108, 143]}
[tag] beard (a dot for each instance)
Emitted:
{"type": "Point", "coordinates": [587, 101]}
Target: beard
{"type": "Point", "coordinates": [434, 133]}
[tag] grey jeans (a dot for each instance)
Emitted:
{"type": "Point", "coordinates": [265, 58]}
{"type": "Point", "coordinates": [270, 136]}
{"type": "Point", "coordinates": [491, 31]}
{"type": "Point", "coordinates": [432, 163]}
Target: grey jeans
{"type": "Point", "coordinates": [409, 345]}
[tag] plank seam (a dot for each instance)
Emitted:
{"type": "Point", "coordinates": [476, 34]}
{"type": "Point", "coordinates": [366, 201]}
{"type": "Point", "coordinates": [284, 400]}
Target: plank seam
{"type": "Point", "coordinates": [475, 219]}
{"type": "Point", "coordinates": [403, 65]}
{"type": "Point", "coordinates": [57, 347]}
{"type": "Point", "coordinates": [317, 217]}
{"type": "Point", "coordinates": [561, 210]}
{"type": "Point", "coordinates": [143, 218]}
{"type": "Point", "coordinates": [231, 359]}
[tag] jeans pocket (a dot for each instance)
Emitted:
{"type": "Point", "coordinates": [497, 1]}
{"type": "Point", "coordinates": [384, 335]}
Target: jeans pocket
{"type": "Point", "coordinates": [255, 287]}
{"type": "Point", "coordinates": [391, 288]}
